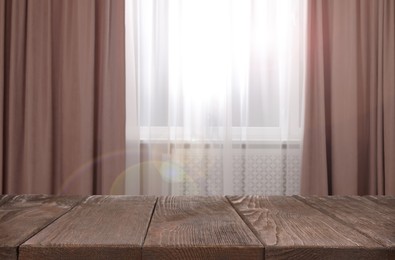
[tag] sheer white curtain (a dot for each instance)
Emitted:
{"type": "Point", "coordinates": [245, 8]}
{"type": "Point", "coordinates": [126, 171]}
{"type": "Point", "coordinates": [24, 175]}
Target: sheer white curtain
{"type": "Point", "coordinates": [215, 96]}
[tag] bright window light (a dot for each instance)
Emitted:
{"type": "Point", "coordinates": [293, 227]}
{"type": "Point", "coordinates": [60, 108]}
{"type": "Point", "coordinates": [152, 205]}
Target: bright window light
{"type": "Point", "coordinates": [220, 63]}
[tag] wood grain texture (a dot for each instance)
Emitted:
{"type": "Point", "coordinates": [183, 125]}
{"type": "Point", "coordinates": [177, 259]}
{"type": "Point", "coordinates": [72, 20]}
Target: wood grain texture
{"type": "Point", "coordinates": [288, 228]}
{"type": "Point", "coordinates": [199, 228]}
{"type": "Point", "coordinates": [101, 227]}
{"type": "Point", "coordinates": [4, 199]}
{"type": "Point", "coordinates": [372, 219]}
{"type": "Point", "coordinates": [24, 215]}
{"type": "Point", "coordinates": [388, 201]}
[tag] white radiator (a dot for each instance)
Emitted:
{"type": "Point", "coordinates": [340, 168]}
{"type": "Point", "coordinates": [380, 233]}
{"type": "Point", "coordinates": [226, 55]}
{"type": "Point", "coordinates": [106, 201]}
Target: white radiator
{"type": "Point", "coordinates": [262, 169]}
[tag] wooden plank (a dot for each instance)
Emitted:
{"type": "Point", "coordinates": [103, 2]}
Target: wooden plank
{"type": "Point", "coordinates": [290, 229]}
{"type": "Point", "coordinates": [24, 215]}
{"type": "Point", "coordinates": [388, 201]}
{"type": "Point", "coordinates": [4, 199]}
{"type": "Point", "coordinates": [101, 227]}
{"type": "Point", "coordinates": [199, 228]}
{"type": "Point", "coordinates": [369, 218]}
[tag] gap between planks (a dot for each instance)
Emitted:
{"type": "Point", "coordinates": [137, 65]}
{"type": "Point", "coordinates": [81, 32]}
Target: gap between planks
{"type": "Point", "coordinates": [241, 216]}
{"type": "Point", "coordinates": [285, 242]}
{"type": "Point", "coordinates": [149, 224]}
{"type": "Point", "coordinates": [346, 223]}
{"type": "Point", "coordinates": [162, 242]}
{"type": "Point", "coordinates": [45, 226]}
{"type": "Point", "coordinates": [249, 225]}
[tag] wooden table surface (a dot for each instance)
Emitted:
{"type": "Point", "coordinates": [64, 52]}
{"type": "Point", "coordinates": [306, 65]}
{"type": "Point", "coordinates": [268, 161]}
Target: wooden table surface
{"type": "Point", "coordinates": [231, 227]}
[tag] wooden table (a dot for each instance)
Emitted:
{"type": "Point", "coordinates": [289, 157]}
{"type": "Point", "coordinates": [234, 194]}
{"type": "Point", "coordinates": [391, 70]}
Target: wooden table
{"type": "Point", "coordinates": [231, 227]}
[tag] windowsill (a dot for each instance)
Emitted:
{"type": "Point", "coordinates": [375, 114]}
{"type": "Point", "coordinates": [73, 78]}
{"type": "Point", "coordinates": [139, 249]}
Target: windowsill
{"type": "Point", "coordinates": [217, 144]}
{"type": "Point", "coordinates": [237, 135]}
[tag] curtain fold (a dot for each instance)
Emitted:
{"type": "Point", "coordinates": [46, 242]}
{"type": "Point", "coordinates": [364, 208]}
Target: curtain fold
{"type": "Point", "coordinates": [62, 89]}
{"type": "Point", "coordinates": [349, 135]}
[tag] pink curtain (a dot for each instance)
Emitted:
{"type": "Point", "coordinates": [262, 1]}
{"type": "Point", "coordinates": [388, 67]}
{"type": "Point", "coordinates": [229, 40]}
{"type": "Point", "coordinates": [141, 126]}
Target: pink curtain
{"type": "Point", "coordinates": [62, 96]}
{"type": "Point", "coordinates": [349, 139]}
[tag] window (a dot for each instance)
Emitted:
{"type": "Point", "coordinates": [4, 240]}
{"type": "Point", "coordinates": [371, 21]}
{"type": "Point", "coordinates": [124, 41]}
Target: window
{"type": "Point", "coordinates": [213, 67]}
